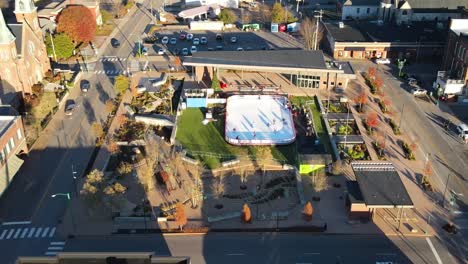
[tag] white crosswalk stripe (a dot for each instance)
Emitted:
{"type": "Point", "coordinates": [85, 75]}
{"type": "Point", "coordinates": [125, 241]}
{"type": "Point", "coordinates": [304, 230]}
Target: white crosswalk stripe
{"type": "Point", "coordinates": [3, 234]}
{"type": "Point", "coordinates": [55, 248]}
{"type": "Point", "coordinates": [44, 233]}
{"type": "Point", "coordinates": [31, 232]}
{"type": "Point", "coordinates": [18, 231]}
{"type": "Point", "coordinates": [11, 233]}
{"type": "Point", "coordinates": [38, 232]}
{"type": "Point", "coordinates": [111, 59]}
{"type": "Point", "coordinates": [52, 232]}
{"type": "Point", "coordinates": [25, 231]}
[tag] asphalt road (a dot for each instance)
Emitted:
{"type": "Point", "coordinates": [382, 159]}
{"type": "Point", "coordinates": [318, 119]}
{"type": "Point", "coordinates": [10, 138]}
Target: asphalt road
{"type": "Point", "coordinates": [68, 141]}
{"type": "Point", "coordinates": [273, 248]}
{"type": "Point", "coordinates": [443, 148]}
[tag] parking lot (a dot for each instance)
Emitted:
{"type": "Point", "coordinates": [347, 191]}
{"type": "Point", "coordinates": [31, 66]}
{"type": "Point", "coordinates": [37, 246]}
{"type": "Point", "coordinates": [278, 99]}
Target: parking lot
{"type": "Point", "coordinates": [246, 40]}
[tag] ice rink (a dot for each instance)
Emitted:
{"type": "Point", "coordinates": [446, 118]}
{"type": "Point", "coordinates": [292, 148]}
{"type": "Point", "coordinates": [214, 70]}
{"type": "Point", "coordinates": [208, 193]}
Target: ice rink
{"type": "Point", "coordinates": [259, 120]}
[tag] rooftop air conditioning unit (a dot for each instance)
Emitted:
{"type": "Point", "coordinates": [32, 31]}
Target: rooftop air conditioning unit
{"type": "Point", "coordinates": [340, 24]}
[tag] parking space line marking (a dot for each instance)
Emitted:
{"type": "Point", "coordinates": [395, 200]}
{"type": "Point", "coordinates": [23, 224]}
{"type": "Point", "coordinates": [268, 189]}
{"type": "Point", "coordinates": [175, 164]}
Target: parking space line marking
{"type": "Point", "coordinates": [51, 253]}
{"type": "Point", "coordinates": [313, 253]}
{"type": "Point", "coordinates": [436, 255]}
{"type": "Point", "coordinates": [57, 243]}
{"type": "Point", "coordinates": [236, 254]}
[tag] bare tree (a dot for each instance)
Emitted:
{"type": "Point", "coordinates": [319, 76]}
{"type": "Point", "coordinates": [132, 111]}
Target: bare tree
{"type": "Point", "coordinates": [265, 13]}
{"type": "Point", "coordinates": [308, 31]}
{"type": "Point", "coordinates": [319, 181]}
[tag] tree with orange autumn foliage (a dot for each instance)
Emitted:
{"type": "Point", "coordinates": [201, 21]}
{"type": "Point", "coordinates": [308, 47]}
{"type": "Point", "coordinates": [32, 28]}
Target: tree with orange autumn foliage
{"type": "Point", "coordinates": [308, 211]}
{"type": "Point", "coordinates": [371, 71]}
{"type": "Point", "coordinates": [180, 216]}
{"type": "Point", "coordinates": [78, 22]}
{"type": "Point", "coordinates": [246, 214]}
{"type": "Point", "coordinates": [361, 100]}
{"type": "Point", "coordinates": [372, 121]}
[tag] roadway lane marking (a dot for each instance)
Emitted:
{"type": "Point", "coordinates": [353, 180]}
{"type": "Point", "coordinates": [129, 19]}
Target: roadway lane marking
{"type": "Point", "coordinates": [44, 233]}
{"type": "Point", "coordinates": [49, 253]}
{"type": "Point", "coordinates": [313, 253]}
{"type": "Point", "coordinates": [38, 232]}
{"type": "Point", "coordinates": [25, 231]}
{"type": "Point", "coordinates": [11, 233]}
{"type": "Point", "coordinates": [18, 231]}
{"type": "Point", "coordinates": [235, 254]}
{"type": "Point", "coordinates": [3, 234]}
{"type": "Point", "coordinates": [52, 232]}
{"type": "Point", "coordinates": [31, 232]}
{"type": "Point", "coordinates": [436, 255]}
{"type": "Point", "coordinates": [57, 243]}
{"type": "Point", "coordinates": [17, 223]}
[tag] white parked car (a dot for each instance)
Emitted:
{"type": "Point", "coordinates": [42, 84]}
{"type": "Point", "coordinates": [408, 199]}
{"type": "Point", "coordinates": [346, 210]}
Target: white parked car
{"type": "Point", "coordinates": [193, 49]}
{"type": "Point", "coordinates": [462, 130]}
{"type": "Point", "coordinates": [185, 51]}
{"type": "Point", "coordinates": [173, 41]}
{"type": "Point", "coordinates": [233, 39]}
{"type": "Point", "coordinates": [418, 91]}
{"type": "Point", "coordinates": [382, 61]}
{"type": "Point", "coordinates": [203, 40]}
{"type": "Point", "coordinates": [161, 51]}
{"type": "Point", "coordinates": [189, 36]}
{"type": "Point", "coordinates": [165, 40]}
{"type": "Point", "coordinates": [196, 41]}
{"type": "Point", "coordinates": [240, 49]}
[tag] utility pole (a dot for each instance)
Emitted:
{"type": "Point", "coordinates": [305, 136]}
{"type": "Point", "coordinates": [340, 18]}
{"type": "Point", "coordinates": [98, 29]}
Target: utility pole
{"type": "Point", "coordinates": [317, 17]}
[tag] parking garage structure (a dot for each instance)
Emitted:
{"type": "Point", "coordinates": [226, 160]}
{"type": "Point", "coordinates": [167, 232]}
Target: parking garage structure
{"type": "Point", "coordinates": [304, 69]}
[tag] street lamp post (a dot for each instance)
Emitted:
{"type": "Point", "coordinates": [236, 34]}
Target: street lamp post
{"type": "Point", "coordinates": [67, 195]}
{"type": "Point", "coordinates": [74, 173]}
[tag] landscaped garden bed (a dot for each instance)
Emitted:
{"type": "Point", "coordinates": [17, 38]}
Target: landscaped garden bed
{"type": "Point", "coordinates": [354, 152]}
{"type": "Point", "coordinates": [334, 106]}
{"type": "Point", "coordinates": [344, 128]}
{"type": "Point", "coordinates": [408, 149]}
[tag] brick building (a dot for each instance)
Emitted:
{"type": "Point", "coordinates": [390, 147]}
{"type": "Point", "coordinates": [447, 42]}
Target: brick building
{"type": "Point", "coordinates": [23, 55]}
{"type": "Point", "coordinates": [456, 53]}
{"type": "Point", "coordinates": [367, 40]}
{"type": "Point", "coordinates": [12, 144]}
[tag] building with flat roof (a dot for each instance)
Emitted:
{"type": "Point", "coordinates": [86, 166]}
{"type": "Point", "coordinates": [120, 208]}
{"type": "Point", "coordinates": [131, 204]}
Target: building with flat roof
{"type": "Point", "coordinates": [403, 11]}
{"type": "Point", "coordinates": [305, 69]}
{"type": "Point", "coordinates": [377, 185]}
{"type": "Point", "coordinates": [367, 40]}
{"type": "Point", "coordinates": [12, 144]}
{"type": "Point", "coordinates": [456, 53]}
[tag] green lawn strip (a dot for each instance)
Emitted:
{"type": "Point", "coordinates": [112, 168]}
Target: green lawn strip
{"type": "Point", "coordinates": [196, 137]}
